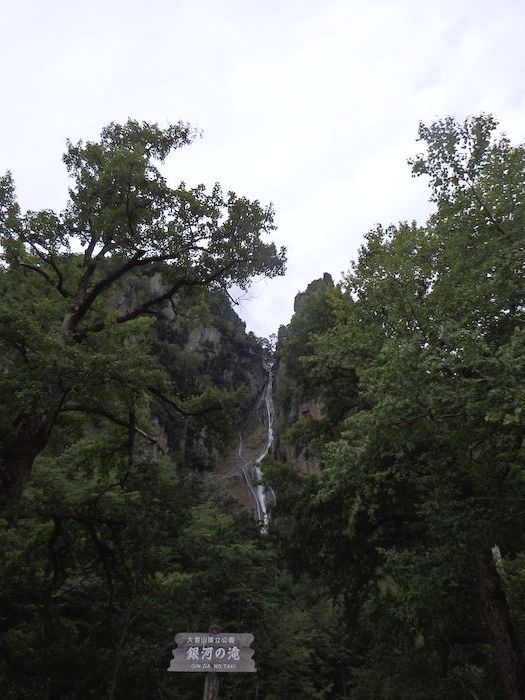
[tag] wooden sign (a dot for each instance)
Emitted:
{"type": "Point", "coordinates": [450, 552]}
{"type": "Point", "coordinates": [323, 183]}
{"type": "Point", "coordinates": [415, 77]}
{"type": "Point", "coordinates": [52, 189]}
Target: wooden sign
{"type": "Point", "coordinates": [213, 653]}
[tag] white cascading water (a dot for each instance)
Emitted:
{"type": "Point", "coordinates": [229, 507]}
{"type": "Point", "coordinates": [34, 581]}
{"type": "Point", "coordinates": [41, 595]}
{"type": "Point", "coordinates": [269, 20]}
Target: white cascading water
{"type": "Point", "coordinates": [262, 495]}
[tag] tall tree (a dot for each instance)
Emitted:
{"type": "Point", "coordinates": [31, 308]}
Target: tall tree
{"type": "Point", "coordinates": [62, 318]}
{"type": "Point", "coordinates": [426, 478]}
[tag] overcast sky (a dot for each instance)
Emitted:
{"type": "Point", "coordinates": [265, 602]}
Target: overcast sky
{"type": "Point", "coordinates": [310, 104]}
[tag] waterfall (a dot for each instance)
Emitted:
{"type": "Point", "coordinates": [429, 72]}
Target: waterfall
{"type": "Point", "coordinates": [262, 495]}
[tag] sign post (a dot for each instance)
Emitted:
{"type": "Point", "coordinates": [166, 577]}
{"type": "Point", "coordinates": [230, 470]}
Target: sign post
{"type": "Point", "coordinates": [211, 687]}
{"type": "Point", "coordinates": [213, 653]}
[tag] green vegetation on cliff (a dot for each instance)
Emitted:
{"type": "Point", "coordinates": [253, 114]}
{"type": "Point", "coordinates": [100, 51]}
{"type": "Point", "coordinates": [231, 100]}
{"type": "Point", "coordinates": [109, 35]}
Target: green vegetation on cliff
{"type": "Point", "coordinates": [416, 520]}
{"type": "Point", "coordinates": [394, 565]}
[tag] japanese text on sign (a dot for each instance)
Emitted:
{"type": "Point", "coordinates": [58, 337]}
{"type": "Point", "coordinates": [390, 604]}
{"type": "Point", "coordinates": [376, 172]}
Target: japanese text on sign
{"type": "Point", "coordinates": [206, 652]}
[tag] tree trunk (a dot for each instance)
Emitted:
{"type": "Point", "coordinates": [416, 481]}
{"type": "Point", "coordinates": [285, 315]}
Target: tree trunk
{"type": "Point", "coordinates": [112, 694]}
{"type": "Point", "coordinates": [496, 617]}
{"type": "Point", "coordinates": [17, 455]}
{"type": "Point", "coordinates": [211, 687]}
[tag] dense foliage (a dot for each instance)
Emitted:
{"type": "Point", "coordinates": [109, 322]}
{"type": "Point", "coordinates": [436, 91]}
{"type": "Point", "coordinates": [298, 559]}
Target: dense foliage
{"type": "Point", "coordinates": [396, 571]}
{"type": "Point", "coordinates": [416, 520]}
{"type": "Point", "coordinates": [111, 539]}
{"type": "Point", "coordinates": [64, 326]}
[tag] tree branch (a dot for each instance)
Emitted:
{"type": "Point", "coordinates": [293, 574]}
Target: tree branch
{"type": "Point", "coordinates": [73, 408]}
{"type": "Point", "coordinates": [37, 269]}
{"type": "Point", "coordinates": [80, 308]}
{"type": "Point", "coordinates": [57, 285]}
{"type": "Point", "coordinates": [146, 308]}
{"type": "Point", "coordinates": [60, 279]}
{"type": "Point", "coordinates": [486, 209]}
{"type": "Point", "coordinates": [159, 395]}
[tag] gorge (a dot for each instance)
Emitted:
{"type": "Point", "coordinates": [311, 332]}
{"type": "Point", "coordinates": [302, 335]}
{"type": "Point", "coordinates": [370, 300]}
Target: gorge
{"type": "Point", "coordinates": [350, 494]}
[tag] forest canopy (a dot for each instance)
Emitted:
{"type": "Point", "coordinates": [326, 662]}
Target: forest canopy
{"type": "Point", "coordinates": [416, 519]}
{"type": "Point", "coordinates": [394, 563]}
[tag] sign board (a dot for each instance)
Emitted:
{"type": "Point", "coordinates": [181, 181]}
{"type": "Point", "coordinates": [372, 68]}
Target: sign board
{"type": "Point", "coordinates": [224, 652]}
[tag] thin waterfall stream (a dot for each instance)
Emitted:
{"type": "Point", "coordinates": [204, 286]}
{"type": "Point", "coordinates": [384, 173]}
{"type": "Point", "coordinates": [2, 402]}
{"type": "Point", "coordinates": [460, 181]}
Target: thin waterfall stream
{"type": "Point", "coordinates": [262, 495]}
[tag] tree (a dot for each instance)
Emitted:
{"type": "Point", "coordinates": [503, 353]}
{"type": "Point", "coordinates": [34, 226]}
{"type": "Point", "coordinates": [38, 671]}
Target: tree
{"type": "Point", "coordinates": [105, 557]}
{"type": "Point", "coordinates": [426, 476]}
{"type": "Point", "coordinates": [64, 312]}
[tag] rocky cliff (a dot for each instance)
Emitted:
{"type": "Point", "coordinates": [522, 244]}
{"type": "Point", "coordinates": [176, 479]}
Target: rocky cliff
{"type": "Point", "coordinates": [214, 367]}
{"type": "Point", "coordinates": [203, 347]}
{"type": "Point", "coordinates": [208, 355]}
{"type": "Point", "coordinates": [299, 405]}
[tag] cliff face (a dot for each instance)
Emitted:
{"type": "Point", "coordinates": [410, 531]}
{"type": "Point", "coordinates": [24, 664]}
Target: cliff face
{"type": "Point", "coordinates": [299, 406]}
{"type": "Point", "coordinates": [202, 345]}
{"type": "Point", "coordinates": [322, 284]}
{"type": "Point", "coordinates": [214, 368]}
{"type": "Point", "coordinates": [227, 358]}
{"type": "Point", "coordinates": [214, 354]}
{"type": "Point", "coordinates": [292, 414]}
{"type": "Point", "coordinates": [228, 355]}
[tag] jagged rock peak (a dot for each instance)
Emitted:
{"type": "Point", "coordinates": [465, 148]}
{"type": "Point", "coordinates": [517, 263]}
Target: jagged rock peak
{"type": "Point", "coordinates": [325, 281]}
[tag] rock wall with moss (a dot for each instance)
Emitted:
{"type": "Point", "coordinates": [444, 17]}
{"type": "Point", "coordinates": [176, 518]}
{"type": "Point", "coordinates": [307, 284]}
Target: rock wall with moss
{"type": "Point", "coordinates": [300, 409]}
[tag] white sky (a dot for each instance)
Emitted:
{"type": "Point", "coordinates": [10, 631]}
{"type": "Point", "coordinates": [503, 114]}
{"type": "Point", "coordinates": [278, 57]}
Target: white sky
{"type": "Point", "coordinates": [310, 104]}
